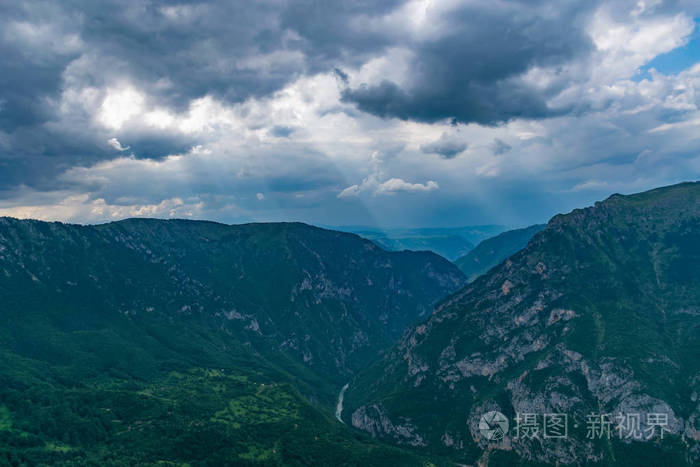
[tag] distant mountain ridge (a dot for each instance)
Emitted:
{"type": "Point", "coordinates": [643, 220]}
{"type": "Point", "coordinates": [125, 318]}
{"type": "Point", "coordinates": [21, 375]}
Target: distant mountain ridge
{"type": "Point", "coordinates": [494, 250]}
{"type": "Point", "coordinates": [278, 281]}
{"type": "Point", "coordinates": [599, 314]}
{"type": "Point", "coordinates": [449, 242]}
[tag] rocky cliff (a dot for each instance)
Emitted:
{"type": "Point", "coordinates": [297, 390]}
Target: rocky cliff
{"type": "Point", "coordinates": [599, 316]}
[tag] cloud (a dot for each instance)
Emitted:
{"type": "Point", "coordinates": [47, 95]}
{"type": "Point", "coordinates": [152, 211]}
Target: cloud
{"type": "Point", "coordinates": [395, 185]}
{"type": "Point", "coordinates": [119, 107]}
{"type": "Point", "coordinates": [469, 62]}
{"type": "Point", "coordinates": [388, 187]}
{"type": "Point", "coordinates": [84, 209]}
{"type": "Point", "coordinates": [78, 73]}
{"type": "Point", "coordinates": [326, 107]}
{"type": "Point", "coordinates": [446, 147]}
{"type": "Point", "coordinates": [281, 131]}
{"type": "Point", "coordinates": [114, 142]}
{"type": "Point", "coordinates": [376, 184]}
{"type": "Point", "coordinates": [352, 190]}
{"type": "Point", "coordinates": [500, 147]}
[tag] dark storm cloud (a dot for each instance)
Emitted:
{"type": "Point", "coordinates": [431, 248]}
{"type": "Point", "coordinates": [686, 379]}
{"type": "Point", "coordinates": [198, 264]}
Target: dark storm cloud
{"type": "Point", "coordinates": [445, 147]}
{"type": "Point", "coordinates": [155, 146]}
{"type": "Point", "coordinates": [468, 68]}
{"type": "Point", "coordinates": [194, 49]}
{"type": "Point", "coordinates": [333, 29]}
{"type": "Point", "coordinates": [185, 50]}
{"type": "Point", "coordinates": [30, 72]}
{"type": "Point", "coordinates": [34, 154]}
{"type": "Point", "coordinates": [232, 50]}
{"type": "Point", "coordinates": [173, 52]}
{"type": "Point", "coordinates": [473, 72]}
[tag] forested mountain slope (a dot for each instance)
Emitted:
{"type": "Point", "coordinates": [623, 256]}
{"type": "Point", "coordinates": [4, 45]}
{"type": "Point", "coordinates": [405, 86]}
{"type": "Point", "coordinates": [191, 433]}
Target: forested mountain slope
{"type": "Point", "coordinates": [185, 341]}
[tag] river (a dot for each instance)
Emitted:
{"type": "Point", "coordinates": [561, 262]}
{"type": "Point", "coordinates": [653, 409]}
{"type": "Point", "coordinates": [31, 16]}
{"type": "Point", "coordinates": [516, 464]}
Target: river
{"type": "Point", "coordinates": [339, 407]}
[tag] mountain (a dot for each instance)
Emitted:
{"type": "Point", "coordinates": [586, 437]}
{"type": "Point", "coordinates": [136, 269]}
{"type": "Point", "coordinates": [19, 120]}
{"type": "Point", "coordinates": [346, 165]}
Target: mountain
{"type": "Point", "coordinates": [184, 341]}
{"type": "Point", "coordinates": [449, 242]}
{"type": "Point", "coordinates": [280, 284]}
{"type": "Point", "coordinates": [448, 246]}
{"type": "Point", "coordinates": [493, 251]}
{"type": "Point", "coordinates": [597, 318]}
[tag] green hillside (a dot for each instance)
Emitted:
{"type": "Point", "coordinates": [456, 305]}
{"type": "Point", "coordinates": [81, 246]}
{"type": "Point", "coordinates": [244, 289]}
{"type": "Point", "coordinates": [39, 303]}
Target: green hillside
{"type": "Point", "coordinates": [493, 251]}
{"type": "Point", "coordinates": [147, 342]}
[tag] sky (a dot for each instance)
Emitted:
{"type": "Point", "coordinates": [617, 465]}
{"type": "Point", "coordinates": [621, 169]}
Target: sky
{"type": "Point", "coordinates": [430, 113]}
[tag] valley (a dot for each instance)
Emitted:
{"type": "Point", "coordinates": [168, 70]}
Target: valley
{"type": "Point", "coordinates": [229, 342]}
{"type": "Point", "coordinates": [182, 342]}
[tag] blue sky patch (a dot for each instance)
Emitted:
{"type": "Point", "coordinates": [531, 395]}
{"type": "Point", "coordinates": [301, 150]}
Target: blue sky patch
{"type": "Point", "coordinates": [675, 61]}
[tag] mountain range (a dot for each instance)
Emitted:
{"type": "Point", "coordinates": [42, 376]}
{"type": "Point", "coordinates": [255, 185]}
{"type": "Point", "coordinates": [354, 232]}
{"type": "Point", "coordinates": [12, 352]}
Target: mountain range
{"type": "Point", "coordinates": [154, 342]}
{"type": "Point", "coordinates": [494, 250]}
{"type": "Point", "coordinates": [146, 340]}
{"type": "Point", "coordinates": [598, 316]}
{"type": "Point", "coordinates": [449, 242]}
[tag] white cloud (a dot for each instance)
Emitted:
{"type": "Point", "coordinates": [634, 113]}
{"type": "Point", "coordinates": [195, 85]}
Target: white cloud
{"type": "Point", "coordinates": [81, 208]}
{"type": "Point", "coordinates": [628, 45]}
{"type": "Point", "coordinates": [388, 187]}
{"type": "Point", "coordinates": [119, 106]}
{"type": "Point", "coordinates": [352, 190]}
{"type": "Point", "coordinates": [395, 185]}
{"type": "Point", "coordinates": [676, 126]}
{"type": "Point", "coordinates": [376, 186]}
{"type": "Point", "coordinates": [114, 142]}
